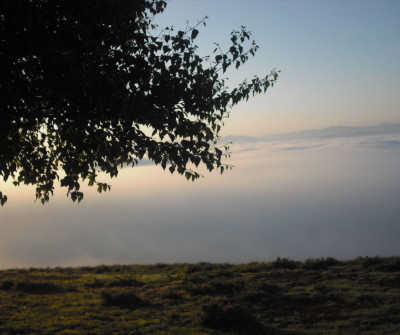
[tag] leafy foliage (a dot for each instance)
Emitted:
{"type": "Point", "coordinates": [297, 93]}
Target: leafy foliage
{"type": "Point", "coordinates": [87, 87]}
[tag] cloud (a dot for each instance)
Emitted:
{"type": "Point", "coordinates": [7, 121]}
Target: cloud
{"type": "Point", "coordinates": [334, 197]}
{"type": "Point", "coordinates": [383, 144]}
{"type": "Point", "coordinates": [300, 147]}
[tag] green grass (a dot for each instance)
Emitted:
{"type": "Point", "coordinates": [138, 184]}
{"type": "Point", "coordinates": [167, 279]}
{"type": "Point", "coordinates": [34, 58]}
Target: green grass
{"type": "Point", "coordinates": [318, 296]}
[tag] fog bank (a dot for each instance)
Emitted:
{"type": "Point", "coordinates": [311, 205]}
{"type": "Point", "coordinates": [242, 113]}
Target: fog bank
{"type": "Point", "coordinates": [299, 199]}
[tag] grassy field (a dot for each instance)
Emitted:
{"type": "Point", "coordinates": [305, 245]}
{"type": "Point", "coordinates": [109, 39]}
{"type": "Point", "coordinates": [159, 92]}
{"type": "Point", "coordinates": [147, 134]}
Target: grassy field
{"type": "Point", "coordinates": [318, 296]}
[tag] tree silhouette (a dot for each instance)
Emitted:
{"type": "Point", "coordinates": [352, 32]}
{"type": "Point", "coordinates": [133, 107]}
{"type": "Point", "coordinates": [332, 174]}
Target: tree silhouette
{"type": "Point", "coordinates": [87, 86]}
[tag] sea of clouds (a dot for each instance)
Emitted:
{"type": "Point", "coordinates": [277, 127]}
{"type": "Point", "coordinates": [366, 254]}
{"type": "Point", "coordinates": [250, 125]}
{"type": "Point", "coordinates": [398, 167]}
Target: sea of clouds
{"type": "Point", "coordinates": [300, 199]}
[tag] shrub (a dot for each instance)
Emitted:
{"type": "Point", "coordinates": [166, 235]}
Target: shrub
{"type": "Point", "coordinates": [232, 318]}
{"type": "Point", "coordinates": [203, 267]}
{"type": "Point", "coordinates": [37, 288]}
{"type": "Point", "coordinates": [219, 273]}
{"type": "Point", "coordinates": [103, 269]}
{"type": "Point", "coordinates": [171, 295]}
{"type": "Point", "coordinates": [197, 278]}
{"type": "Point", "coordinates": [122, 299]}
{"type": "Point", "coordinates": [320, 263]}
{"type": "Point", "coordinates": [218, 287]}
{"type": "Point", "coordinates": [389, 264]}
{"type": "Point", "coordinates": [6, 285]}
{"type": "Point", "coordinates": [252, 267]}
{"type": "Point", "coordinates": [284, 263]}
{"type": "Point", "coordinates": [258, 297]}
{"type": "Point", "coordinates": [125, 282]}
{"type": "Point", "coordinates": [191, 268]}
{"type": "Point", "coordinates": [366, 262]}
{"type": "Point", "coordinates": [269, 288]}
{"type": "Point", "coordinates": [95, 284]}
{"type": "Point", "coordinates": [86, 269]}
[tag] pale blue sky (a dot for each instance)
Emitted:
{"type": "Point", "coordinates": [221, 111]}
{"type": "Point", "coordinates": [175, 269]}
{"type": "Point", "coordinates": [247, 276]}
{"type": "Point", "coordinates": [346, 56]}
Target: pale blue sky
{"type": "Point", "coordinates": [339, 59]}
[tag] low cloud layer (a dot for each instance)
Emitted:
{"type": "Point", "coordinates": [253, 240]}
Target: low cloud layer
{"type": "Point", "coordinates": [298, 199]}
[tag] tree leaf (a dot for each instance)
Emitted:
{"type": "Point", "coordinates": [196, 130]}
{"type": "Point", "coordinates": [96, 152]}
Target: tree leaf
{"type": "Point", "coordinates": [195, 32]}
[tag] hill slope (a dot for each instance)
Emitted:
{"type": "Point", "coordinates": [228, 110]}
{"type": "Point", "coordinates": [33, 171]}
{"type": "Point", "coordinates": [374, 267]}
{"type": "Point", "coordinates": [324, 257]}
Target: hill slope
{"type": "Point", "coordinates": [282, 297]}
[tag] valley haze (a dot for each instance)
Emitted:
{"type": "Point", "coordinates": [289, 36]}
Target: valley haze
{"type": "Point", "coordinates": [317, 193]}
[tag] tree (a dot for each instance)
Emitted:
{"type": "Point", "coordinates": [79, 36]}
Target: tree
{"type": "Point", "coordinates": [88, 86]}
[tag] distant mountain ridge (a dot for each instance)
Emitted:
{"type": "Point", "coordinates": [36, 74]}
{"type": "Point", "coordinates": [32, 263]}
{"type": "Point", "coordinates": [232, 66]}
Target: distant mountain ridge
{"type": "Point", "coordinates": [325, 133]}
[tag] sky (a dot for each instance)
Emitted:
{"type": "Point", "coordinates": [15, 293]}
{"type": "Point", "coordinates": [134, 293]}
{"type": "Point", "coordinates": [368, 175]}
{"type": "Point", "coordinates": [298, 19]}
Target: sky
{"type": "Point", "coordinates": [338, 59]}
{"type": "Point", "coordinates": [300, 199]}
